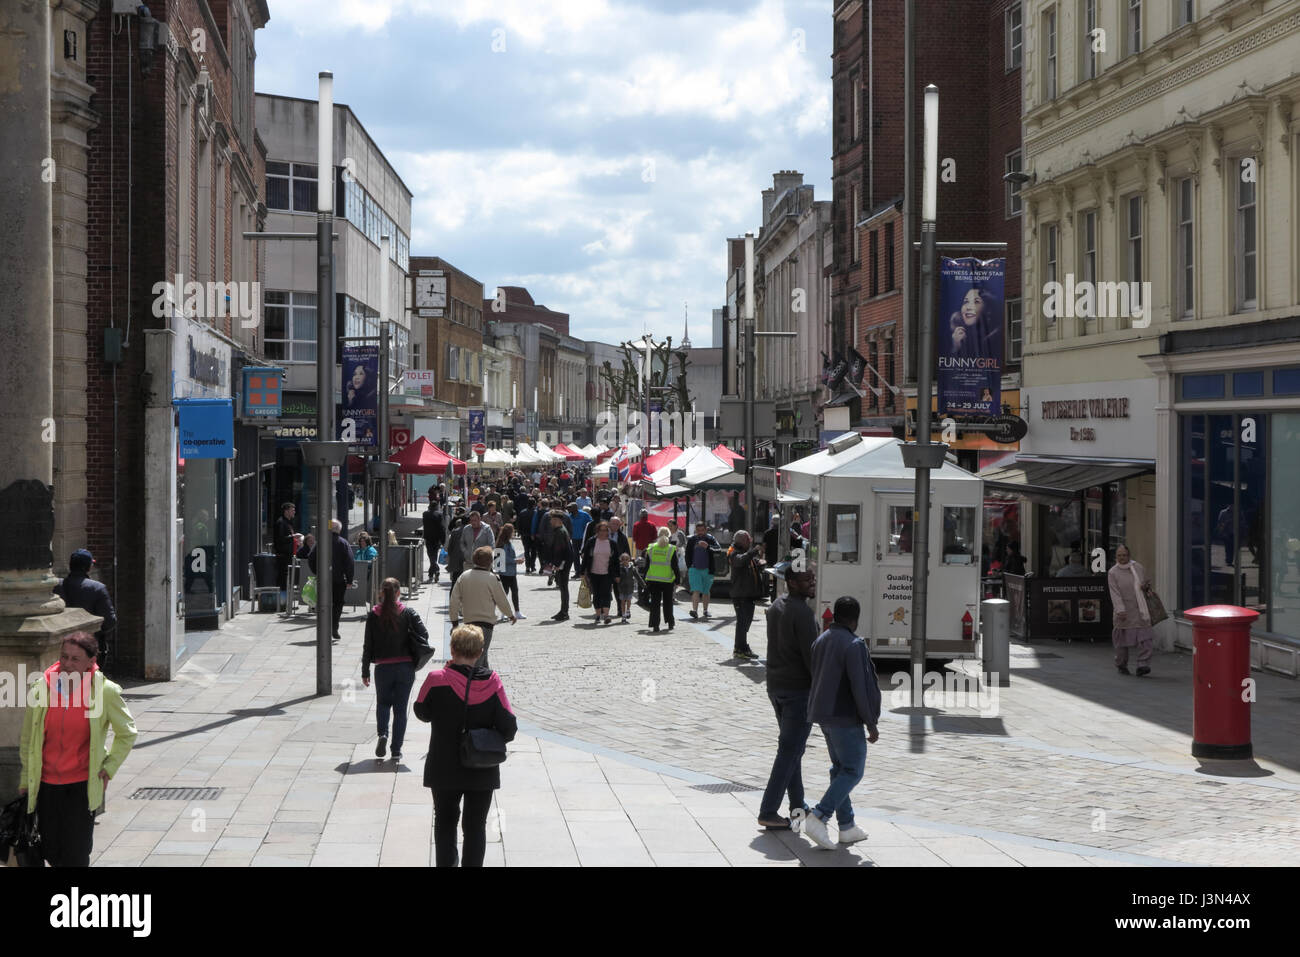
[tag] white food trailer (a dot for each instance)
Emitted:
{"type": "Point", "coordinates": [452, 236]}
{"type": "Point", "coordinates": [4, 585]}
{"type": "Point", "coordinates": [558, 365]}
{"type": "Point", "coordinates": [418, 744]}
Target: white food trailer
{"type": "Point", "coordinates": [859, 503]}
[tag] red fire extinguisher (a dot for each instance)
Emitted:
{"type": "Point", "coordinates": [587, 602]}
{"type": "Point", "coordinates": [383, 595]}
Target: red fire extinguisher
{"type": "Point", "coordinates": [967, 627]}
{"type": "Point", "coordinates": [827, 617]}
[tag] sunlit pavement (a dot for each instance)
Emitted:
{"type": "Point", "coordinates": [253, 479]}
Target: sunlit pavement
{"type": "Point", "coordinates": [644, 749]}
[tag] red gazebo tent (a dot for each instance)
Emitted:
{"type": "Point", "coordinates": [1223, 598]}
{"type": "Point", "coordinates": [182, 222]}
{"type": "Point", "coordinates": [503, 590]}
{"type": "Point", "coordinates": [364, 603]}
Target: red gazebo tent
{"type": "Point", "coordinates": [559, 448]}
{"type": "Point", "coordinates": [422, 457]}
{"type": "Point", "coordinates": [653, 463]}
{"type": "Point", "coordinates": [724, 453]}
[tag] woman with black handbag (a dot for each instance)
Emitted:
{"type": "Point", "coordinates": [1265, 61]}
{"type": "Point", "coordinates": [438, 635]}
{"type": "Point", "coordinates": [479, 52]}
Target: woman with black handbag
{"type": "Point", "coordinates": [471, 724]}
{"type": "Point", "coordinates": [397, 643]}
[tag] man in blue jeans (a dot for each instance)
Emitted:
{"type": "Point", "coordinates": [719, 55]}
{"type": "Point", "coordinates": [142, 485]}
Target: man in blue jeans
{"type": "Point", "coordinates": [791, 631]}
{"type": "Point", "coordinates": [845, 696]}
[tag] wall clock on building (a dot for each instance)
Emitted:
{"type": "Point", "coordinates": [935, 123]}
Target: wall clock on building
{"type": "Point", "coordinates": [431, 292]}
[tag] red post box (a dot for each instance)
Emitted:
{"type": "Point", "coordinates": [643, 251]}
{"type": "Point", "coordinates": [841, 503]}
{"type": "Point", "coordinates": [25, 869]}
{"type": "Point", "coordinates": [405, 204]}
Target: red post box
{"type": "Point", "coordinates": [1220, 669]}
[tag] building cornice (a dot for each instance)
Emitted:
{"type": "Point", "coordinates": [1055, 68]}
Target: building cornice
{"type": "Point", "coordinates": [1052, 129]}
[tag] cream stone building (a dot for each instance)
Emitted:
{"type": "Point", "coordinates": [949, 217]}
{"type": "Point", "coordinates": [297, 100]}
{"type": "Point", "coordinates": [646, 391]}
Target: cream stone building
{"type": "Point", "coordinates": [1162, 377]}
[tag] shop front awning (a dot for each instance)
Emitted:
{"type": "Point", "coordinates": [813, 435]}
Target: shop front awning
{"type": "Point", "coordinates": [1058, 480]}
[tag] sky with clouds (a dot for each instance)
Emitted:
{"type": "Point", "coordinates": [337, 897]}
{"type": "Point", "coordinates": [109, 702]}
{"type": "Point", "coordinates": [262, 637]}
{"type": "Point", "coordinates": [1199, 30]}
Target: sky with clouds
{"type": "Point", "coordinates": [597, 152]}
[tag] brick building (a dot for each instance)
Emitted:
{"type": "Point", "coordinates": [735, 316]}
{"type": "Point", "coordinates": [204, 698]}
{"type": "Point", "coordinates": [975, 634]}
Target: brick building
{"type": "Point", "coordinates": [447, 311]}
{"type": "Point", "coordinates": [979, 131]}
{"type": "Point", "coordinates": [173, 178]}
{"type": "Point", "coordinates": [515, 304]}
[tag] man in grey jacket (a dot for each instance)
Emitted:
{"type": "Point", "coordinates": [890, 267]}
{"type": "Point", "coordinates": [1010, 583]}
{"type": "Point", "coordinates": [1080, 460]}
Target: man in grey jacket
{"type": "Point", "coordinates": [845, 697]}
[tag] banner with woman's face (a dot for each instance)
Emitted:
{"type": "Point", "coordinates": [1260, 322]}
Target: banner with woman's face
{"type": "Point", "coordinates": [359, 409]}
{"type": "Point", "coordinates": [970, 336]}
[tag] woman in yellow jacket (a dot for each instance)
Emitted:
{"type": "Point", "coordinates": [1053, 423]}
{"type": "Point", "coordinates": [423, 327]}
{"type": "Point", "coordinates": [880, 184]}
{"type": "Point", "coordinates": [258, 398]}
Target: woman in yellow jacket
{"type": "Point", "coordinates": [65, 764]}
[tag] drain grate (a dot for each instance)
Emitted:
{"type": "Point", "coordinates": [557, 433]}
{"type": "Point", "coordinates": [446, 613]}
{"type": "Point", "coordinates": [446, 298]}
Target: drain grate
{"type": "Point", "coordinates": [727, 787]}
{"type": "Point", "coordinates": [176, 794]}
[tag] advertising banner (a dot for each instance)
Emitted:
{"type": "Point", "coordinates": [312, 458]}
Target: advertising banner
{"type": "Point", "coordinates": [477, 426]}
{"type": "Point", "coordinates": [359, 410]}
{"type": "Point", "coordinates": [970, 336]}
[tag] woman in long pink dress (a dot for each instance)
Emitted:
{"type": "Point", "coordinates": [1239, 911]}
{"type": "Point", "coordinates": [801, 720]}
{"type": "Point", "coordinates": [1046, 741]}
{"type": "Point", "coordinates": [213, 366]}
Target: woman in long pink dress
{"type": "Point", "coordinates": [1127, 580]}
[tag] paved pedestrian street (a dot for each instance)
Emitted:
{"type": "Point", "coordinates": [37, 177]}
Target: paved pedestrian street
{"type": "Point", "coordinates": [644, 749]}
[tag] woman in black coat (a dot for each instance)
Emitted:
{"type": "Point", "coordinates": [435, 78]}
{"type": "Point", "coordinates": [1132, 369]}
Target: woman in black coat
{"type": "Point", "coordinates": [389, 627]}
{"type": "Point", "coordinates": [442, 702]}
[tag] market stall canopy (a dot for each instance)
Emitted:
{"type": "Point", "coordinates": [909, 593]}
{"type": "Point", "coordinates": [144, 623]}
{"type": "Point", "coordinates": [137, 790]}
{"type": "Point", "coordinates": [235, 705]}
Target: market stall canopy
{"type": "Point", "coordinates": [700, 466]}
{"type": "Point", "coordinates": [547, 453]}
{"type": "Point", "coordinates": [569, 454]}
{"type": "Point", "coordinates": [724, 453]}
{"type": "Point", "coordinates": [422, 457]}
{"type": "Point", "coordinates": [526, 454]}
{"type": "Point", "coordinates": [493, 459]}
{"type": "Point", "coordinates": [653, 463]}
{"type": "Point", "coordinates": [877, 458]}
{"type": "Point", "coordinates": [1051, 481]}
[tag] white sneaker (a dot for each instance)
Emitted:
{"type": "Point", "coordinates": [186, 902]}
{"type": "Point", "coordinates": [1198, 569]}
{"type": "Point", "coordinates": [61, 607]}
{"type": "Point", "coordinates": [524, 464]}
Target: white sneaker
{"type": "Point", "coordinates": [815, 828]}
{"type": "Point", "coordinates": [853, 835]}
{"type": "Point", "coordinates": [519, 617]}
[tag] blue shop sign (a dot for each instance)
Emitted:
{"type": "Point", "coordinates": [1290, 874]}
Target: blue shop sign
{"type": "Point", "coordinates": [206, 428]}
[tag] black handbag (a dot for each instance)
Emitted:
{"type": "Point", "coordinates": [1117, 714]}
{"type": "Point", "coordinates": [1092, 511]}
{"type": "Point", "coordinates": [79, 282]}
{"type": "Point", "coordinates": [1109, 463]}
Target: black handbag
{"type": "Point", "coordinates": [419, 646]}
{"type": "Point", "coordinates": [480, 748]}
{"type": "Point", "coordinates": [19, 833]}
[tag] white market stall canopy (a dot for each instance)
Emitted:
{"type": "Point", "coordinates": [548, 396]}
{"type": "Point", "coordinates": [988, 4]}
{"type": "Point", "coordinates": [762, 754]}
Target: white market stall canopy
{"type": "Point", "coordinates": [700, 465]}
{"type": "Point", "coordinates": [547, 454]}
{"type": "Point", "coordinates": [873, 458]}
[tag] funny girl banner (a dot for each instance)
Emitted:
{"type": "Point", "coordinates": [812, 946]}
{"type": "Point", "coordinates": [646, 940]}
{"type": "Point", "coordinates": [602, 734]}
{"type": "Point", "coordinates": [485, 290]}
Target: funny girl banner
{"type": "Point", "coordinates": [359, 409]}
{"type": "Point", "coordinates": [970, 336]}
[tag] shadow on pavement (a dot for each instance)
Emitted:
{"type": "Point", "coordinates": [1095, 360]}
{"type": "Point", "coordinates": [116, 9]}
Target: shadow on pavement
{"type": "Point", "coordinates": [237, 715]}
{"type": "Point", "coordinates": [1087, 670]}
{"type": "Point", "coordinates": [375, 766]}
{"type": "Point", "coordinates": [1232, 769]}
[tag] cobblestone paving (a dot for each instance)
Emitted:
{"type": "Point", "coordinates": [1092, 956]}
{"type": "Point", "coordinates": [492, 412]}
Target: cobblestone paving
{"type": "Point", "coordinates": [1075, 753]}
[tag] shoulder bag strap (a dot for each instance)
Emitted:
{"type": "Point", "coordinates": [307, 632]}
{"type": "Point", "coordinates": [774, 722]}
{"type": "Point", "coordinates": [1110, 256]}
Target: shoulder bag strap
{"type": "Point", "coordinates": [464, 720]}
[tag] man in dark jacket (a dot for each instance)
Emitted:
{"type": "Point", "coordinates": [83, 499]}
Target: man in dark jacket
{"type": "Point", "coordinates": [434, 535]}
{"type": "Point", "coordinates": [461, 696]}
{"type": "Point", "coordinates": [771, 555]}
{"type": "Point", "coordinates": [791, 631]}
{"type": "Point", "coordinates": [746, 586]}
{"type": "Point", "coordinates": [342, 569]}
{"type": "Point", "coordinates": [284, 545]}
{"type": "Point", "coordinates": [524, 523]}
{"type": "Point", "coordinates": [80, 591]}
{"type": "Point", "coordinates": [556, 553]}
{"type": "Point", "coordinates": [845, 696]}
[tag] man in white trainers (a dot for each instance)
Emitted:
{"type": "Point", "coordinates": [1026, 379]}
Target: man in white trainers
{"type": "Point", "coordinates": [845, 697]}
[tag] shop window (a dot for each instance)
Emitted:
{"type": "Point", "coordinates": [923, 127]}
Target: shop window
{"type": "Point", "coordinates": [1286, 381]}
{"type": "Point", "coordinates": [1224, 505]}
{"type": "Point", "coordinates": [1060, 533]}
{"type": "Point", "coordinates": [1284, 526]}
{"type": "Point", "coordinates": [1208, 386]}
{"type": "Point", "coordinates": [1247, 384]}
{"type": "Point", "coordinates": [843, 523]}
{"type": "Point", "coordinates": [958, 535]}
{"type": "Point", "coordinates": [1193, 521]}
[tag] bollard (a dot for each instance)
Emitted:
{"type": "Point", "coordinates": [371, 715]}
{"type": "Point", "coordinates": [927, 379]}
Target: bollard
{"type": "Point", "coordinates": [995, 634]}
{"type": "Point", "coordinates": [1220, 668]}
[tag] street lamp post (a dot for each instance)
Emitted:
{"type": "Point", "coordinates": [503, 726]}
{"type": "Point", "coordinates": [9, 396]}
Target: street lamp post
{"type": "Point", "coordinates": [924, 455]}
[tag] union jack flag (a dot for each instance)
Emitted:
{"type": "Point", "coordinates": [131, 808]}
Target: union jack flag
{"type": "Point", "coordinates": [625, 462]}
